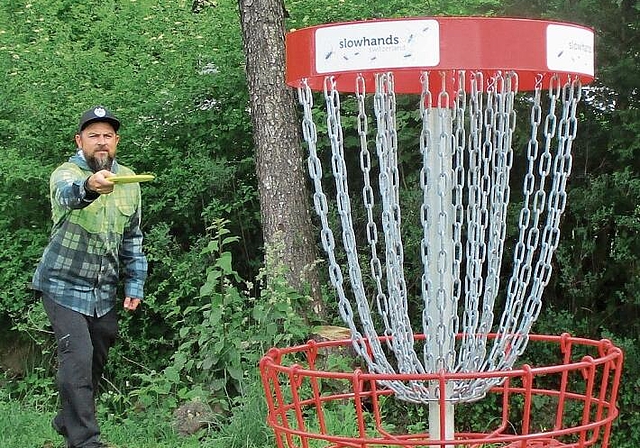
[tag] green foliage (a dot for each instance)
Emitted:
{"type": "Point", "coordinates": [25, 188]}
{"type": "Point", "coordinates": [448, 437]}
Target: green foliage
{"type": "Point", "coordinates": [17, 255]}
{"type": "Point", "coordinates": [247, 424]}
{"type": "Point", "coordinates": [36, 389]}
{"type": "Point", "coordinates": [599, 257]}
{"type": "Point", "coordinates": [221, 336]}
{"type": "Point", "coordinates": [22, 426]}
{"type": "Point", "coordinates": [625, 431]}
{"type": "Point", "coordinates": [327, 11]}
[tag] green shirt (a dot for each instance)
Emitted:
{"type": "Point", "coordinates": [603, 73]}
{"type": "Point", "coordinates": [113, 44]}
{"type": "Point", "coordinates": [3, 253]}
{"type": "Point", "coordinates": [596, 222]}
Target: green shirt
{"type": "Point", "coordinates": [93, 242]}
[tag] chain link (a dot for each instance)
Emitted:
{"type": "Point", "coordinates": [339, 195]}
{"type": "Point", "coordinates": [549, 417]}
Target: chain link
{"type": "Point", "coordinates": [465, 144]}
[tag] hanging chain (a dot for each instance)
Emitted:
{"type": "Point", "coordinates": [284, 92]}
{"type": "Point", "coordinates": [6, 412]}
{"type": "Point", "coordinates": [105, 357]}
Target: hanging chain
{"type": "Point", "coordinates": [402, 340]}
{"type": "Point", "coordinates": [466, 149]}
{"type": "Point", "coordinates": [368, 200]}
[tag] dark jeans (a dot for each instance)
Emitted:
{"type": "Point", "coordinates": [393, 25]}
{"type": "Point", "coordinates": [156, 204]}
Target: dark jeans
{"type": "Point", "coordinates": [83, 345]}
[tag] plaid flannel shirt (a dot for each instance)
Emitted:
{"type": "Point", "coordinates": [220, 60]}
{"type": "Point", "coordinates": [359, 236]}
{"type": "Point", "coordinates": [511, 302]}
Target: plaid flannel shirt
{"type": "Point", "coordinates": [93, 241]}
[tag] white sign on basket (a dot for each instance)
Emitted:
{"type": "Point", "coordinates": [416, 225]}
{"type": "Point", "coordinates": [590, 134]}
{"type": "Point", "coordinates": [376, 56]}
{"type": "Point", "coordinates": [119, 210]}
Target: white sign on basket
{"type": "Point", "coordinates": [570, 49]}
{"type": "Point", "coordinates": [387, 44]}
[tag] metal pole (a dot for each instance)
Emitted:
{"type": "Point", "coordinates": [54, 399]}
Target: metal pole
{"type": "Point", "coordinates": [439, 202]}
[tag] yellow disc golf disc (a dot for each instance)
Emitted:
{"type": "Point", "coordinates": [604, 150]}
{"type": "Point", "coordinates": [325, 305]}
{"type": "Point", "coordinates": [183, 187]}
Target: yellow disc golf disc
{"type": "Point", "coordinates": [131, 179]}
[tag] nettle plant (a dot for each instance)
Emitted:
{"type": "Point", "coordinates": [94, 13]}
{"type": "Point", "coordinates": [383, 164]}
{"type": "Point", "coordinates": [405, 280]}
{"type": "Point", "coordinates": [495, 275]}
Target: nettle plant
{"type": "Point", "coordinates": [226, 331]}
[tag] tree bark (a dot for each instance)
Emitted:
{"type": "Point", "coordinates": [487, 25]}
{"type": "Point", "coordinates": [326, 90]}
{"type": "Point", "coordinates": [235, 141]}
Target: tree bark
{"type": "Point", "coordinates": [284, 199]}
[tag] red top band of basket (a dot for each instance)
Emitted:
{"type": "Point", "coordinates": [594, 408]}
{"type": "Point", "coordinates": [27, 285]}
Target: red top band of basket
{"type": "Point", "coordinates": [535, 49]}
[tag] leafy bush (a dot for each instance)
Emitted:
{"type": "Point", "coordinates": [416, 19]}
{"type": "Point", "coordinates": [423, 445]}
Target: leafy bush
{"type": "Point", "coordinates": [221, 334]}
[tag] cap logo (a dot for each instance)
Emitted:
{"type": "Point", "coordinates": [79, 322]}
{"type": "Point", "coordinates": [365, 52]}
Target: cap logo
{"type": "Point", "coordinates": [99, 112]}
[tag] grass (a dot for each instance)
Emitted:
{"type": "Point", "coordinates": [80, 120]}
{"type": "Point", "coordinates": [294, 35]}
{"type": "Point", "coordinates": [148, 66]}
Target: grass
{"type": "Point", "coordinates": [21, 427]}
{"type": "Point", "coordinates": [27, 424]}
{"type": "Point", "coordinates": [24, 427]}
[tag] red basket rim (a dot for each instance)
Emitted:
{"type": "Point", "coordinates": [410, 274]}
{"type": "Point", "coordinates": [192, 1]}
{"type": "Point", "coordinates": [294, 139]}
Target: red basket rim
{"type": "Point", "coordinates": [410, 46]}
{"type": "Point", "coordinates": [297, 417]}
{"type": "Point", "coordinates": [608, 353]}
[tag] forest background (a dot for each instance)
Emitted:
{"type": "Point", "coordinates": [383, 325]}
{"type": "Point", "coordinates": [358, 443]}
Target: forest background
{"type": "Point", "coordinates": [173, 71]}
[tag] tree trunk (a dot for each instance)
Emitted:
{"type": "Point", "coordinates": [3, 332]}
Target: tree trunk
{"type": "Point", "coordinates": [284, 199]}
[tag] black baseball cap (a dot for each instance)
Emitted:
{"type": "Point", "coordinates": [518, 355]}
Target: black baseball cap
{"type": "Point", "coordinates": [95, 114]}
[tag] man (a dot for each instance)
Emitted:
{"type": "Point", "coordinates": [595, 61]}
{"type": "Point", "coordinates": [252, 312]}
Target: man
{"type": "Point", "coordinates": [95, 239]}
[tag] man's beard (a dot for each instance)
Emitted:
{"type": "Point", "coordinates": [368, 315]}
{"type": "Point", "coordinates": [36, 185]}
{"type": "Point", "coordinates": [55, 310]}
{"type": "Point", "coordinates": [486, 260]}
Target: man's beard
{"type": "Point", "coordinates": [96, 164]}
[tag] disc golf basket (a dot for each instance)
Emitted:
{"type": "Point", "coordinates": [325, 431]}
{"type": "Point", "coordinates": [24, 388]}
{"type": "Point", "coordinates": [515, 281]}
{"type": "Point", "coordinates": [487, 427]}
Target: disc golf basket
{"type": "Point", "coordinates": [458, 348]}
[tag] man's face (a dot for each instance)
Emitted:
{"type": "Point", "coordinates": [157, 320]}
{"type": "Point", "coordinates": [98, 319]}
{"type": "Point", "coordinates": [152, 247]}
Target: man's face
{"type": "Point", "coordinates": [98, 142]}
